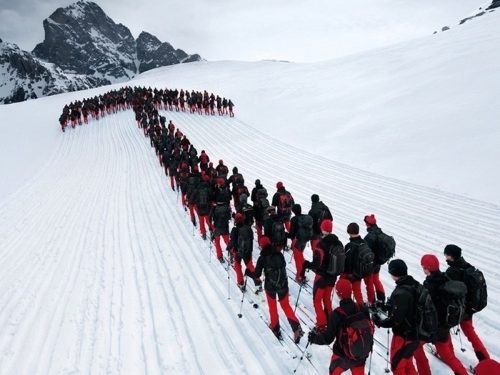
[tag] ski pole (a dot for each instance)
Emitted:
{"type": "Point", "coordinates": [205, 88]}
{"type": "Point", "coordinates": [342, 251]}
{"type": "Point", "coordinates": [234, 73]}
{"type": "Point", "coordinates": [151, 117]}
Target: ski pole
{"type": "Point", "coordinates": [387, 360]}
{"type": "Point", "coordinates": [302, 357]}
{"type": "Point", "coordinates": [210, 252]}
{"type": "Point", "coordinates": [460, 338]}
{"type": "Point", "coordinates": [298, 295]}
{"type": "Point", "coordinates": [370, 365]}
{"type": "Point", "coordinates": [228, 286]}
{"type": "Point", "coordinates": [243, 297]}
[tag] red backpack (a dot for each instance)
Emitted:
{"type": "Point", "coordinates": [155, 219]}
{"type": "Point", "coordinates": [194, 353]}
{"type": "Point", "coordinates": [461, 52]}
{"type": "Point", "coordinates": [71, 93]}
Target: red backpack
{"type": "Point", "coordinates": [356, 335]}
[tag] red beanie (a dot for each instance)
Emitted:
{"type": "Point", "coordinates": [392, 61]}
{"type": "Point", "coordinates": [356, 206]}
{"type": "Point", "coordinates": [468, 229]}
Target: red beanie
{"type": "Point", "coordinates": [327, 226]}
{"type": "Point", "coordinates": [487, 367]}
{"type": "Point", "coordinates": [264, 242]}
{"type": "Point", "coordinates": [238, 218]}
{"type": "Point", "coordinates": [370, 219]}
{"type": "Point", "coordinates": [430, 262]}
{"type": "Point", "coordinates": [279, 185]}
{"type": "Point", "coordinates": [343, 288]}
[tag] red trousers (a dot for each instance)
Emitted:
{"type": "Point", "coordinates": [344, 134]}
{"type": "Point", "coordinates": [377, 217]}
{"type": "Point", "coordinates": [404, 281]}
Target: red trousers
{"type": "Point", "coordinates": [258, 225]}
{"type": "Point", "coordinates": [402, 356]}
{"type": "Point", "coordinates": [298, 256]}
{"type": "Point", "coordinates": [172, 178]}
{"type": "Point", "coordinates": [354, 371]}
{"type": "Point", "coordinates": [314, 243]}
{"type": "Point", "coordinates": [287, 309]}
{"type": "Point", "coordinates": [237, 268]}
{"type": "Point", "coordinates": [204, 219]}
{"type": "Point", "coordinates": [370, 291]}
{"type": "Point", "coordinates": [469, 332]}
{"type": "Point", "coordinates": [218, 249]}
{"type": "Point", "coordinates": [322, 299]}
{"type": "Point", "coordinates": [379, 287]}
{"type": "Point", "coordinates": [191, 212]}
{"type": "Point", "coordinates": [445, 351]}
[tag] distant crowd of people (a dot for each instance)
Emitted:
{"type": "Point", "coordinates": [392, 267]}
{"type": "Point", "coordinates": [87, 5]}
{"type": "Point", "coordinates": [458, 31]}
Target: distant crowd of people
{"type": "Point", "coordinates": [79, 111]}
{"type": "Point", "coordinates": [421, 316]}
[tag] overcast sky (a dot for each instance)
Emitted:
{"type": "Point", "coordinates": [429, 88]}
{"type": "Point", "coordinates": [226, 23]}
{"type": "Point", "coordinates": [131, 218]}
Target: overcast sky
{"type": "Point", "coordinates": [295, 30]}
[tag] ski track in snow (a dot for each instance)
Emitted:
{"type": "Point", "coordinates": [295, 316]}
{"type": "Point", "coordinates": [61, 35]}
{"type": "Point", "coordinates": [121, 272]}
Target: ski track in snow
{"type": "Point", "coordinates": [101, 272]}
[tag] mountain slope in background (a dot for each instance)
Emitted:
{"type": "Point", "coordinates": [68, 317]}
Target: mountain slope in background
{"type": "Point", "coordinates": [83, 48]}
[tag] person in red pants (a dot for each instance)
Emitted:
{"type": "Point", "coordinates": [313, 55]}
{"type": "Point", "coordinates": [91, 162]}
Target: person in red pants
{"type": "Point", "coordinates": [444, 346]}
{"type": "Point", "coordinates": [272, 262]}
{"type": "Point", "coordinates": [352, 269]}
{"type": "Point", "coordinates": [319, 212]}
{"type": "Point", "coordinates": [402, 318]}
{"type": "Point", "coordinates": [300, 232]}
{"type": "Point", "coordinates": [240, 248]}
{"type": "Point", "coordinates": [283, 201]}
{"type": "Point", "coordinates": [340, 361]}
{"type": "Point", "coordinates": [372, 240]}
{"type": "Point", "coordinates": [456, 271]}
{"type": "Point", "coordinates": [220, 216]}
{"type": "Point", "coordinates": [323, 281]}
{"type": "Point", "coordinates": [201, 197]}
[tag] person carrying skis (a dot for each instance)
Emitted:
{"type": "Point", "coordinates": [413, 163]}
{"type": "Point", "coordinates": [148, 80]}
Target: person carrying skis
{"type": "Point", "coordinates": [349, 351]}
{"type": "Point", "coordinates": [383, 247]}
{"type": "Point", "coordinates": [328, 263]}
{"type": "Point", "coordinates": [402, 318]}
{"type": "Point", "coordinates": [319, 212]}
{"type": "Point", "coordinates": [220, 216]}
{"type": "Point", "coordinates": [272, 262]}
{"type": "Point", "coordinates": [283, 201]}
{"type": "Point", "coordinates": [275, 229]}
{"type": "Point", "coordinates": [434, 283]}
{"type": "Point", "coordinates": [240, 248]}
{"type": "Point", "coordinates": [300, 233]}
{"type": "Point", "coordinates": [476, 298]}
{"type": "Point", "coordinates": [359, 264]}
{"type": "Point", "coordinates": [260, 206]}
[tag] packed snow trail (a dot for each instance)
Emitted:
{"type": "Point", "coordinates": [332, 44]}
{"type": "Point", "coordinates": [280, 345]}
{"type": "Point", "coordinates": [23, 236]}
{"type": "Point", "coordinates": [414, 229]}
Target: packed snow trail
{"type": "Point", "coordinates": [101, 272]}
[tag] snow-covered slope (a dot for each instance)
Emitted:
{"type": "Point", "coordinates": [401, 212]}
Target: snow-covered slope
{"type": "Point", "coordinates": [101, 272]}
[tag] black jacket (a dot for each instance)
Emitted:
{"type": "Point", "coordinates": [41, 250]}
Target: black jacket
{"type": "Point", "coordinates": [371, 240]}
{"type": "Point", "coordinates": [270, 259]}
{"type": "Point", "coordinates": [320, 260]}
{"type": "Point", "coordinates": [403, 309]}
{"type": "Point", "coordinates": [433, 283]}
{"type": "Point", "coordinates": [319, 212]}
{"type": "Point", "coordinates": [351, 254]}
{"type": "Point", "coordinates": [456, 271]}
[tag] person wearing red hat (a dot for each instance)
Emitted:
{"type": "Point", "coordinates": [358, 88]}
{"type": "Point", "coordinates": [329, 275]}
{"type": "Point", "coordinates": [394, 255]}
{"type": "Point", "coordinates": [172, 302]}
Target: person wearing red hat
{"type": "Point", "coordinates": [324, 281]}
{"type": "Point", "coordinates": [240, 248]}
{"type": "Point", "coordinates": [372, 240]}
{"type": "Point", "coordinates": [444, 347]}
{"type": "Point", "coordinates": [348, 310]}
{"type": "Point", "coordinates": [283, 201]}
{"type": "Point", "coordinates": [272, 262]}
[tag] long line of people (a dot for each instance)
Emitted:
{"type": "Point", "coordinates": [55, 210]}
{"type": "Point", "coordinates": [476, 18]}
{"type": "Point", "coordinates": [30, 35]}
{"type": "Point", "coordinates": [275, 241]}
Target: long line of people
{"type": "Point", "coordinates": [79, 111]}
{"type": "Point", "coordinates": [418, 314]}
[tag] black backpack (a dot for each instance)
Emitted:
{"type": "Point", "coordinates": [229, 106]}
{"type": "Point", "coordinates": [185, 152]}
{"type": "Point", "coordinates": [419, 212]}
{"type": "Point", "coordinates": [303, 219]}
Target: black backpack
{"type": "Point", "coordinates": [477, 293]}
{"type": "Point", "coordinates": [364, 262]}
{"type": "Point", "coordinates": [221, 215]}
{"type": "Point", "coordinates": [452, 296]}
{"type": "Point", "coordinates": [285, 203]}
{"type": "Point", "coordinates": [245, 241]}
{"type": "Point", "coordinates": [426, 317]}
{"type": "Point", "coordinates": [356, 335]}
{"type": "Point", "coordinates": [238, 179]}
{"type": "Point", "coordinates": [305, 228]}
{"type": "Point", "coordinates": [386, 247]}
{"type": "Point", "coordinates": [202, 200]}
{"type": "Point", "coordinates": [278, 235]}
{"type": "Point", "coordinates": [335, 258]}
{"type": "Point", "coordinates": [275, 271]}
{"type": "Point", "coordinates": [248, 214]}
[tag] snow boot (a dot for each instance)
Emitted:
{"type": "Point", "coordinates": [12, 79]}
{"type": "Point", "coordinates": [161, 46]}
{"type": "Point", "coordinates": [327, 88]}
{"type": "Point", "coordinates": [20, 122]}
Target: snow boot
{"type": "Point", "coordinates": [297, 334]}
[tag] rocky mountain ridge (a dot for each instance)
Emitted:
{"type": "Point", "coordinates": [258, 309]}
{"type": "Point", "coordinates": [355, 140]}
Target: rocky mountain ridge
{"type": "Point", "coordinates": [82, 48]}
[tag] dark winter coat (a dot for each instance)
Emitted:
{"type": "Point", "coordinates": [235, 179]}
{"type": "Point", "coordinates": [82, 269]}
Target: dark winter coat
{"type": "Point", "coordinates": [433, 283]}
{"type": "Point", "coordinates": [351, 256]}
{"type": "Point", "coordinates": [320, 260]}
{"type": "Point", "coordinates": [271, 259]}
{"type": "Point", "coordinates": [336, 320]}
{"type": "Point", "coordinates": [371, 240]}
{"type": "Point", "coordinates": [268, 227]}
{"type": "Point", "coordinates": [403, 309]}
{"type": "Point", "coordinates": [456, 271]}
{"type": "Point", "coordinates": [220, 218]}
{"type": "Point", "coordinates": [202, 210]}
{"type": "Point", "coordinates": [276, 202]}
{"type": "Point", "coordinates": [319, 212]}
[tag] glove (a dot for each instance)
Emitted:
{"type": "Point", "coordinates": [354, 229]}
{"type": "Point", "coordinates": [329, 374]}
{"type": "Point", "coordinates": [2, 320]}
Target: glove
{"type": "Point", "coordinates": [311, 336]}
{"type": "Point", "coordinates": [381, 306]}
{"type": "Point", "coordinates": [248, 273]}
{"type": "Point", "coordinates": [306, 265]}
{"type": "Point", "coordinates": [376, 320]}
